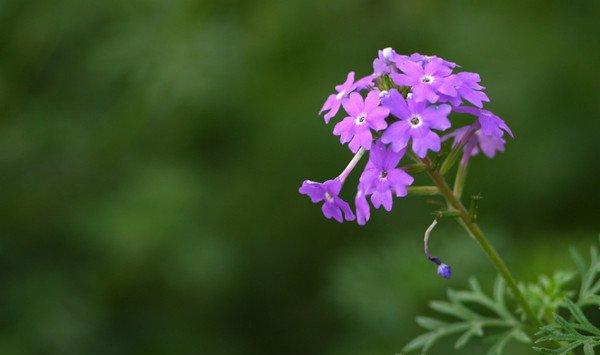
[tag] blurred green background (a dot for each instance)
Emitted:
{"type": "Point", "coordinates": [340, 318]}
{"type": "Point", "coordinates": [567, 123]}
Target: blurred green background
{"type": "Point", "coordinates": [151, 152]}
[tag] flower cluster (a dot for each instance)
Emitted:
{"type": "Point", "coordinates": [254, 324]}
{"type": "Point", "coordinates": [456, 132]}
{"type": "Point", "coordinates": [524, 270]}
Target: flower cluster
{"type": "Point", "coordinates": [401, 109]}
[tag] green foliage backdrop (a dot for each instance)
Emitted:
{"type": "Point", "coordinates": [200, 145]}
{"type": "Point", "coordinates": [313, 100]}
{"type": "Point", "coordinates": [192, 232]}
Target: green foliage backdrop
{"type": "Point", "coordinates": [151, 151]}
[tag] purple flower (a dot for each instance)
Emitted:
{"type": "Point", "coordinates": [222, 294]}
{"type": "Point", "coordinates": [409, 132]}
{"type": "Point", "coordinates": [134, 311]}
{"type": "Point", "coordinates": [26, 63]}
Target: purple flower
{"type": "Point", "coordinates": [491, 125]}
{"type": "Point", "coordinates": [364, 116]}
{"type": "Point", "coordinates": [466, 86]}
{"type": "Point", "coordinates": [417, 119]}
{"type": "Point", "coordinates": [384, 63]}
{"type": "Point", "coordinates": [328, 192]}
{"type": "Point", "coordinates": [444, 271]}
{"type": "Point", "coordinates": [427, 81]}
{"type": "Point", "coordinates": [476, 141]}
{"type": "Point", "coordinates": [333, 102]}
{"type": "Point", "coordinates": [381, 176]}
{"type": "Point", "coordinates": [363, 211]}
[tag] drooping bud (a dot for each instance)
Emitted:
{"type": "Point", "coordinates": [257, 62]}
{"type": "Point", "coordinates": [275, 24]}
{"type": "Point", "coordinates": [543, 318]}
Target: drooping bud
{"type": "Point", "coordinates": [444, 270]}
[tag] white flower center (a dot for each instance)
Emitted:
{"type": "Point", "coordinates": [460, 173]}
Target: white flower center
{"type": "Point", "coordinates": [427, 79]}
{"type": "Point", "coordinates": [328, 197]}
{"type": "Point", "coordinates": [383, 175]}
{"type": "Point", "coordinates": [360, 119]}
{"type": "Point", "coordinates": [383, 93]}
{"type": "Point", "coordinates": [340, 94]}
{"type": "Point", "coordinates": [415, 121]}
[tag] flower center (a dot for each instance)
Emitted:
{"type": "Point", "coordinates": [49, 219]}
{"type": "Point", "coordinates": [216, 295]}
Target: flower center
{"type": "Point", "coordinates": [360, 119]}
{"type": "Point", "coordinates": [383, 175]}
{"type": "Point", "coordinates": [328, 197]}
{"type": "Point", "coordinates": [427, 79]}
{"type": "Point", "coordinates": [415, 120]}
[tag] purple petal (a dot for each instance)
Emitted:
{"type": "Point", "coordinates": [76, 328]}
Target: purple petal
{"type": "Point", "coordinates": [397, 134]}
{"type": "Point", "coordinates": [396, 103]}
{"type": "Point", "coordinates": [335, 107]}
{"type": "Point", "coordinates": [412, 69]}
{"type": "Point", "coordinates": [345, 208]}
{"type": "Point", "coordinates": [376, 118]}
{"type": "Point", "coordinates": [353, 104]}
{"type": "Point", "coordinates": [330, 209]}
{"type": "Point", "coordinates": [372, 101]}
{"type": "Point", "coordinates": [312, 189]}
{"type": "Point", "coordinates": [363, 211]}
{"type": "Point", "coordinates": [345, 129]}
{"type": "Point", "coordinates": [347, 84]}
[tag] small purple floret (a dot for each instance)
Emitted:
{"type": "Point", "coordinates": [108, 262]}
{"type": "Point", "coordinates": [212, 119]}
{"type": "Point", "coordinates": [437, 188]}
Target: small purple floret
{"type": "Point", "coordinates": [364, 116]}
{"type": "Point", "coordinates": [334, 101]}
{"type": "Point", "coordinates": [382, 177]}
{"type": "Point", "coordinates": [328, 191]}
{"type": "Point", "coordinates": [417, 119]}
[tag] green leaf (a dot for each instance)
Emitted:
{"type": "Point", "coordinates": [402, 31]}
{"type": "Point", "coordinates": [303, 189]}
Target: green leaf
{"type": "Point", "coordinates": [467, 320]}
{"type": "Point", "coordinates": [588, 349]}
{"type": "Point", "coordinates": [430, 323]}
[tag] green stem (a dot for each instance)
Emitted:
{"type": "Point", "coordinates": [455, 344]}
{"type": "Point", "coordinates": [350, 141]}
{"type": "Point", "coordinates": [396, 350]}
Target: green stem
{"type": "Point", "coordinates": [473, 229]}
{"type": "Point", "coordinates": [459, 181]}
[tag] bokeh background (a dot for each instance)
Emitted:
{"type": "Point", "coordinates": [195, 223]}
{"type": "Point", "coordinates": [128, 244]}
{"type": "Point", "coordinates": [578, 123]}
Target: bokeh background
{"type": "Point", "coordinates": [151, 152]}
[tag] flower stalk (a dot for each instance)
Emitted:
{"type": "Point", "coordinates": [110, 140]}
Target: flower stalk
{"type": "Point", "coordinates": [474, 231]}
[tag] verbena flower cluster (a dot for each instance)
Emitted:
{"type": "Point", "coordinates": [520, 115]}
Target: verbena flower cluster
{"type": "Point", "coordinates": [402, 108]}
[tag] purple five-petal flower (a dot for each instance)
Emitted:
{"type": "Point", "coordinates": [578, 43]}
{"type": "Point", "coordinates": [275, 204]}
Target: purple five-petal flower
{"type": "Point", "coordinates": [417, 119]}
{"type": "Point", "coordinates": [427, 81]}
{"type": "Point", "coordinates": [328, 191]}
{"type": "Point", "coordinates": [333, 102]}
{"type": "Point", "coordinates": [363, 116]}
{"type": "Point", "coordinates": [382, 177]}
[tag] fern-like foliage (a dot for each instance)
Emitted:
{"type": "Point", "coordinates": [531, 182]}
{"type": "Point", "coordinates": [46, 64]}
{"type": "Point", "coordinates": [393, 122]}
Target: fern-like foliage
{"type": "Point", "coordinates": [590, 277]}
{"type": "Point", "coordinates": [467, 308]}
{"type": "Point", "coordinates": [570, 334]}
{"type": "Point", "coordinates": [578, 330]}
{"type": "Point", "coordinates": [547, 295]}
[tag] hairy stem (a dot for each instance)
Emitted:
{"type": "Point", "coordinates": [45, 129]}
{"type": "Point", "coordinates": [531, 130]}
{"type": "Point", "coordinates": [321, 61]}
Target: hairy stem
{"type": "Point", "coordinates": [473, 229]}
{"type": "Point", "coordinates": [344, 174]}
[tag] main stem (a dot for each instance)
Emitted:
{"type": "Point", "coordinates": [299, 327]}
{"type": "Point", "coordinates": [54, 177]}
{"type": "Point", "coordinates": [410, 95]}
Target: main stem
{"type": "Point", "coordinates": [473, 229]}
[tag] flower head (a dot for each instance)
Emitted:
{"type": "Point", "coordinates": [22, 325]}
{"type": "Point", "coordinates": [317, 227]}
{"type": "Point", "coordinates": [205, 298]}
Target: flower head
{"type": "Point", "coordinates": [328, 191]}
{"type": "Point", "coordinates": [333, 102]}
{"type": "Point", "coordinates": [363, 116]}
{"type": "Point", "coordinates": [417, 119]}
{"type": "Point", "coordinates": [427, 80]}
{"type": "Point", "coordinates": [382, 177]}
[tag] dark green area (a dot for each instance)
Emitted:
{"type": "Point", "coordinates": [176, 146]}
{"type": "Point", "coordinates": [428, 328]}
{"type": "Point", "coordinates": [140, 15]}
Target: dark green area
{"type": "Point", "coordinates": [151, 152]}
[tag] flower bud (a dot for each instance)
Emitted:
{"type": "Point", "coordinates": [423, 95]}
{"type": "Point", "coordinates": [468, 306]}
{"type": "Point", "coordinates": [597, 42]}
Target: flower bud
{"type": "Point", "coordinates": [444, 270]}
